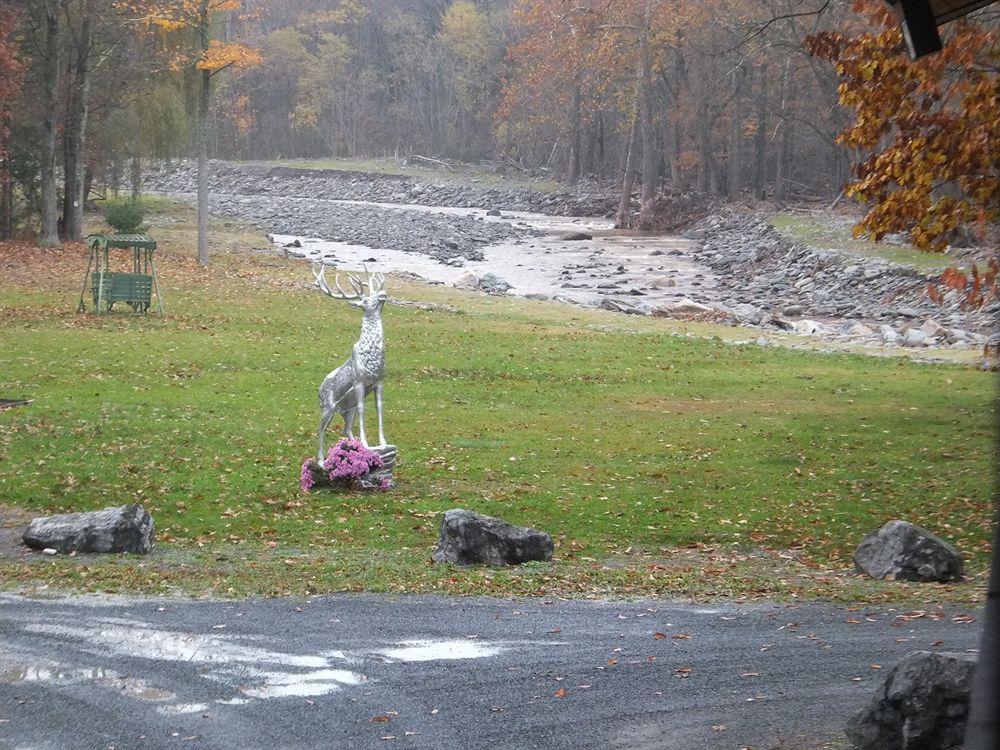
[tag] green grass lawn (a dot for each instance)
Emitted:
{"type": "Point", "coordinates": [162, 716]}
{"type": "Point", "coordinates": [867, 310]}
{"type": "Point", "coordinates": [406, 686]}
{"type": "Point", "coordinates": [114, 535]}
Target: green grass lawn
{"type": "Point", "coordinates": [814, 231]}
{"type": "Point", "coordinates": [662, 464]}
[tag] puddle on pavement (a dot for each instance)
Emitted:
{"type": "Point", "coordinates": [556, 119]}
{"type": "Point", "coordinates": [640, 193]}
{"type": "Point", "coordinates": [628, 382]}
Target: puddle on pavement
{"type": "Point", "coordinates": [439, 650]}
{"type": "Point", "coordinates": [136, 688]}
{"type": "Point", "coordinates": [243, 673]}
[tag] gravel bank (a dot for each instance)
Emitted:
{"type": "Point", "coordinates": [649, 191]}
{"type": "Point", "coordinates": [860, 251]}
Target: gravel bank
{"type": "Point", "coordinates": [448, 238]}
{"type": "Point", "coordinates": [331, 184]}
{"type": "Point", "coordinates": [790, 283]}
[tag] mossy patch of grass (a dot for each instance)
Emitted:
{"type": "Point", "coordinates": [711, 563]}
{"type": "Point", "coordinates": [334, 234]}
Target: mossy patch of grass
{"type": "Point", "coordinates": [818, 231]}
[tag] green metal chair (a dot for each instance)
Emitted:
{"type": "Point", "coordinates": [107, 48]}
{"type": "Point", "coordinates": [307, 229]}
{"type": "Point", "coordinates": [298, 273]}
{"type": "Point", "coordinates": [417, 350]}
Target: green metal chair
{"type": "Point", "coordinates": [107, 287]}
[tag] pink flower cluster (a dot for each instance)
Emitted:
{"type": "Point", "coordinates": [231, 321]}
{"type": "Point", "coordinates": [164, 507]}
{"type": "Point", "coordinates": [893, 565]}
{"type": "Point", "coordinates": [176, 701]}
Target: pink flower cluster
{"type": "Point", "coordinates": [349, 460]}
{"type": "Point", "coordinates": [306, 481]}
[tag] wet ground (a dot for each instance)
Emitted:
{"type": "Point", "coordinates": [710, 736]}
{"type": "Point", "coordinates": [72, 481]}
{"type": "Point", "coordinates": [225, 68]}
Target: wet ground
{"type": "Point", "coordinates": [420, 672]}
{"type": "Point", "coordinates": [640, 271]}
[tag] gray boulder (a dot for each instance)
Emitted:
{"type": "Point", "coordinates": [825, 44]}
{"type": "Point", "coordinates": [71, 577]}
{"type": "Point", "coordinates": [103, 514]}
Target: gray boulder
{"type": "Point", "coordinates": [125, 529]}
{"type": "Point", "coordinates": [575, 236]}
{"type": "Point", "coordinates": [748, 314]}
{"type": "Point", "coordinates": [468, 538]}
{"type": "Point", "coordinates": [903, 551]}
{"type": "Point", "coordinates": [467, 280]}
{"type": "Point", "coordinates": [922, 705]}
{"type": "Point", "coordinates": [493, 284]}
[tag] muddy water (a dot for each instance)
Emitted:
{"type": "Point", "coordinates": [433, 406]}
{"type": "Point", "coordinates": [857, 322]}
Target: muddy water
{"type": "Point", "coordinates": [635, 270]}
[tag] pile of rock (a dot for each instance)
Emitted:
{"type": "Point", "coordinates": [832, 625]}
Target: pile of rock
{"type": "Point", "coordinates": [448, 238]}
{"type": "Point", "coordinates": [332, 184]}
{"type": "Point", "coordinates": [760, 268]}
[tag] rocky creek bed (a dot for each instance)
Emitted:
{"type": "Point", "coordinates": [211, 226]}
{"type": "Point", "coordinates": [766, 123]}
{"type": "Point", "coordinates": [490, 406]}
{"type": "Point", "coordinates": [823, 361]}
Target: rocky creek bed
{"type": "Point", "coordinates": [765, 278]}
{"type": "Point", "coordinates": [333, 184]}
{"type": "Point", "coordinates": [729, 267]}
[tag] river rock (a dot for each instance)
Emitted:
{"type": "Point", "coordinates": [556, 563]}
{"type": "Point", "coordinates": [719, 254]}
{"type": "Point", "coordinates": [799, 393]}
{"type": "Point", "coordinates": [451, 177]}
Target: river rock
{"type": "Point", "coordinates": [493, 284]}
{"type": "Point", "coordinates": [575, 236]}
{"type": "Point", "coordinates": [661, 282]}
{"type": "Point", "coordinates": [683, 306]}
{"type": "Point", "coordinates": [915, 337]}
{"type": "Point", "coordinates": [792, 310]}
{"type": "Point", "coordinates": [748, 314]}
{"type": "Point", "coordinates": [904, 551]}
{"type": "Point", "coordinates": [806, 327]}
{"type": "Point", "coordinates": [617, 305]}
{"type": "Point", "coordinates": [125, 529]}
{"type": "Point", "coordinates": [468, 538]}
{"type": "Point", "coordinates": [922, 705]}
{"type": "Point", "coordinates": [889, 334]}
{"type": "Point", "coordinates": [467, 280]}
{"type": "Point", "coordinates": [933, 329]}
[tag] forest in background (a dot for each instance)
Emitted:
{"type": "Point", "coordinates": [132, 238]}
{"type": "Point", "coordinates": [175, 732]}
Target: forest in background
{"type": "Point", "coordinates": [742, 100]}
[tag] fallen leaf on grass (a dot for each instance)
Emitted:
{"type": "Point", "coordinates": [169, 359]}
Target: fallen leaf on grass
{"type": "Point", "coordinates": [560, 693]}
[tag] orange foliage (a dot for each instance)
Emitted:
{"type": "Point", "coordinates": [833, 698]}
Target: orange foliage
{"type": "Point", "coordinates": [221, 55]}
{"type": "Point", "coordinates": [11, 70]}
{"type": "Point", "coordinates": [931, 127]}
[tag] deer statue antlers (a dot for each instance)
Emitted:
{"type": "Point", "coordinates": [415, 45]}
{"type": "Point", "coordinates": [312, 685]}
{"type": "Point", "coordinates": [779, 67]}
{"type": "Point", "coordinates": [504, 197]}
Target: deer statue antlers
{"type": "Point", "coordinates": [372, 285]}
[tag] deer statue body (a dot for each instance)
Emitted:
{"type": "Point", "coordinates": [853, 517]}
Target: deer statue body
{"type": "Point", "coordinates": [344, 390]}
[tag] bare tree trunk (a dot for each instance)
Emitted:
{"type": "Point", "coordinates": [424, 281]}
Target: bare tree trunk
{"type": "Point", "coordinates": [6, 201]}
{"type": "Point", "coordinates": [650, 163]}
{"type": "Point", "coordinates": [780, 176]}
{"type": "Point", "coordinates": [760, 141]}
{"type": "Point", "coordinates": [75, 138]}
{"type": "Point", "coordinates": [601, 154]}
{"type": "Point", "coordinates": [704, 156]}
{"type": "Point", "coordinates": [624, 217]}
{"type": "Point", "coordinates": [135, 177]}
{"type": "Point", "coordinates": [573, 157]}
{"type": "Point", "coordinates": [49, 231]}
{"type": "Point", "coordinates": [673, 148]}
{"type": "Point", "coordinates": [203, 137]}
{"type": "Point", "coordinates": [735, 139]}
{"type": "Point", "coordinates": [203, 140]}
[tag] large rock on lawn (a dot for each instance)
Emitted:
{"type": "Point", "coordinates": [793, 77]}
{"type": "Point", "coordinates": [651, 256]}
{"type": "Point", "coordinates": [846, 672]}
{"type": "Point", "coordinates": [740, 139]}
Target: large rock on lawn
{"type": "Point", "coordinates": [905, 552]}
{"type": "Point", "coordinates": [468, 538]}
{"type": "Point", "coordinates": [125, 529]}
{"type": "Point", "coordinates": [922, 705]}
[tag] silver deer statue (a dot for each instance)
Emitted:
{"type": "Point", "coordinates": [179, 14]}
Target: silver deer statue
{"type": "Point", "coordinates": [343, 391]}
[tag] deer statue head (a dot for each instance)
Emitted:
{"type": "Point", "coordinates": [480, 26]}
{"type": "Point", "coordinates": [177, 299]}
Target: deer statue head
{"type": "Point", "coordinates": [367, 293]}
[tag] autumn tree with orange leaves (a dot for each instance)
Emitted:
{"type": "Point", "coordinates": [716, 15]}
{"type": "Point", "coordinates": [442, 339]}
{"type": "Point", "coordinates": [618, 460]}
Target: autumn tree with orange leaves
{"type": "Point", "coordinates": [930, 129]}
{"type": "Point", "coordinates": [210, 56]}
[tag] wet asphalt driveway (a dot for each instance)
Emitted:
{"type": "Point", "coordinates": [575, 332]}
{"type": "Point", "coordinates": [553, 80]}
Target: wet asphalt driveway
{"type": "Point", "coordinates": [443, 673]}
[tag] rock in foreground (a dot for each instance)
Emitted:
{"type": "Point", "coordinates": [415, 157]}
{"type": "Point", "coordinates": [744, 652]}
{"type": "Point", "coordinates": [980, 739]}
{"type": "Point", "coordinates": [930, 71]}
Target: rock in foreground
{"type": "Point", "coordinates": [125, 529]}
{"type": "Point", "coordinates": [922, 705]}
{"type": "Point", "coordinates": [903, 551]}
{"type": "Point", "coordinates": [468, 538]}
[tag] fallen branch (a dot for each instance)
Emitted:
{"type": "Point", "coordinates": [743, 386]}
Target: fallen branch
{"type": "Point", "coordinates": [444, 164]}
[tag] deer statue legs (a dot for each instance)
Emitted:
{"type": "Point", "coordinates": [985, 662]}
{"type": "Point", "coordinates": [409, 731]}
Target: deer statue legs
{"type": "Point", "coordinates": [378, 407]}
